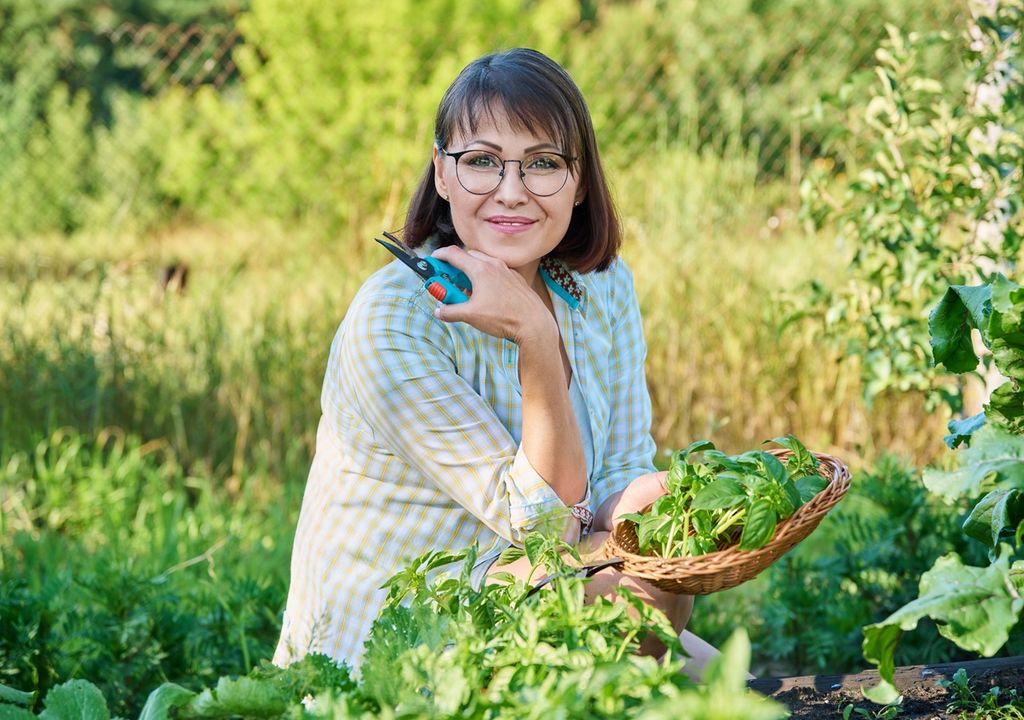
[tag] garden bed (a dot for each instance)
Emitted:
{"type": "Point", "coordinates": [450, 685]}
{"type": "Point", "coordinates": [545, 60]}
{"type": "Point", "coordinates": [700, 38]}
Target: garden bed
{"type": "Point", "coordinates": [824, 696]}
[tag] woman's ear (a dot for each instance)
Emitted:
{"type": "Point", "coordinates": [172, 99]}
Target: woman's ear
{"type": "Point", "coordinates": [440, 182]}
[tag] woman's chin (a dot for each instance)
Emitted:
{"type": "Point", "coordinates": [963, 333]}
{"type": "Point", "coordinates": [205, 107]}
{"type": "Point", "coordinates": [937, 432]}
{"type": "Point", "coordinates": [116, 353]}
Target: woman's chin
{"type": "Point", "coordinates": [514, 258]}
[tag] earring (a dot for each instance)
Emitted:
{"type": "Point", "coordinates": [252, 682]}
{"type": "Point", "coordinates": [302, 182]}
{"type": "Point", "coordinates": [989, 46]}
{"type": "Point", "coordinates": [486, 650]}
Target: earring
{"type": "Point", "coordinates": [576, 204]}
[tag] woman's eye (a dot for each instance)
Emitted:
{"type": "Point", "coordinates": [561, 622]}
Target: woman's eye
{"type": "Point", "coordinates": [481, 161]}
{"type": "Point", "coordinates": [544, 162]}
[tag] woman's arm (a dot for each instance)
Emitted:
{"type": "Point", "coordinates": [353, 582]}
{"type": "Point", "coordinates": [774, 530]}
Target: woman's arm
{"type": "Point", "coordinates": [393, 377]}
{"type": "Point", "coordinates": [551, 437]}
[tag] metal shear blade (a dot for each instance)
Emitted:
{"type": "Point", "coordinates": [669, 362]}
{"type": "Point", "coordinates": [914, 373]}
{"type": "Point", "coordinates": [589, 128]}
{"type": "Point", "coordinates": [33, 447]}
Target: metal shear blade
{"type": "Point", "coordinates": [586, 571]}
{"type": "Point", "coordinates": [419, 266]}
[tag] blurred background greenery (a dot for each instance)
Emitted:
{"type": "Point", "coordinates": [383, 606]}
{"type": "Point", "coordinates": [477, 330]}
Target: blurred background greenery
{"type": "Point", "coordinates": [188, 191]}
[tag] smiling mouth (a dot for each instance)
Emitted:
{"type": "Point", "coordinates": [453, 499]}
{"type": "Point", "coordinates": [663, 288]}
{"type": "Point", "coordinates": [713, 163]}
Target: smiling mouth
{"type": "Point", "coordinates": [510, 224]}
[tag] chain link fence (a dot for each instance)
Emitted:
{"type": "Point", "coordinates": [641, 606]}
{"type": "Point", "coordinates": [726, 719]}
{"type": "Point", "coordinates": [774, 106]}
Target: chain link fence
{"type": "Point", "coordinates": [72, 155]}
{"type": "Point", "coordinates": [175, 56]}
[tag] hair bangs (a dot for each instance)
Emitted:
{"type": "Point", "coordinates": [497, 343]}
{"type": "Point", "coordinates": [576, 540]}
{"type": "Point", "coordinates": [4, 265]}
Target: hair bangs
{"type": "Point", "coordinates": [495, 96]}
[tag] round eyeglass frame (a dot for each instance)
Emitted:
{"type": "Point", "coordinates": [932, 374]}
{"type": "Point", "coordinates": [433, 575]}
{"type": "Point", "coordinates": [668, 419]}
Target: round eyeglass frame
{"type": "Point", "coordinates": [569, 159]}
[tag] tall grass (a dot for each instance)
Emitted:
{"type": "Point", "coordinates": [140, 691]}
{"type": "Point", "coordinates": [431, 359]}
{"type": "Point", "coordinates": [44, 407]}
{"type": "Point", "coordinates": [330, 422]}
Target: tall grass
{"type": "Point", "coordinates": [228, 372]}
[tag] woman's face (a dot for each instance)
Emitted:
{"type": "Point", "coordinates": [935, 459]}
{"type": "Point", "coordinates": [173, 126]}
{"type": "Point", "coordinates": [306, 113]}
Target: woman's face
{"type": "Point", "coordinates": [509, 223]}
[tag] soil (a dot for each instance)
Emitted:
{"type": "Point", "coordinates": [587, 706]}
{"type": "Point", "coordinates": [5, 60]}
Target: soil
{"type": "Point", "coordinates": [825, 696]}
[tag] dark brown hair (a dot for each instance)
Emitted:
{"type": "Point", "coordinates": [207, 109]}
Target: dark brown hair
{"type": "Point", "coordinates": [537, 96]}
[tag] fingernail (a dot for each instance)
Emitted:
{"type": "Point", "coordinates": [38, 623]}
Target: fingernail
{"type": "Point", "coordinates": [437, 313]}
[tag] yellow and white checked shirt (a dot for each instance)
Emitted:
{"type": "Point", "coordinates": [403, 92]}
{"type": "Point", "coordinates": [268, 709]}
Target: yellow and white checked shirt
{"type": "Point", "coordinates": [418, 445]}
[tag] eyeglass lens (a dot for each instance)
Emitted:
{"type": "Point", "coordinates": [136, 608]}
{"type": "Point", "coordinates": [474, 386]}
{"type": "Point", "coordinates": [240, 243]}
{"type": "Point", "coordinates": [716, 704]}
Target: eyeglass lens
{"type": "Point", "coordinates": [480, 172]}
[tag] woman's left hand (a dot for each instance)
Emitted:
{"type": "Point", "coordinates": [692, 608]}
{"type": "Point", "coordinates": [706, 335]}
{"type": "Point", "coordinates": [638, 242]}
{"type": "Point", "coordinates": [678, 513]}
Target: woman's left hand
{"type": "Point", "coordinates": [636, 497]}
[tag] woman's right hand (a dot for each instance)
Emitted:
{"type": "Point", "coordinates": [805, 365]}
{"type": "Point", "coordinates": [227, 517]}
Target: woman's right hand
{"type": "Point", "coordinates": [502, 303]}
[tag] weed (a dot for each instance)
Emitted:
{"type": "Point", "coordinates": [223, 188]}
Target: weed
{"type": "Point", "coordinates": [886, 713]}
{"type": "Point", "coordinates": [994, 704]}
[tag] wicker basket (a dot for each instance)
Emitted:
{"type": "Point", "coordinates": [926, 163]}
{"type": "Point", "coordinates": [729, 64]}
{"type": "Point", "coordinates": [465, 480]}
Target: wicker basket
{"type": "Point", "coordinates": [729, 567]}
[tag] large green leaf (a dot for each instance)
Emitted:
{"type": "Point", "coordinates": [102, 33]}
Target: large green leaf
{"type": "Point", "coordinates": [961, 309]}
{"type": "Point", "coordinates": [75, 700]}
{"type": "Point", "coordinates": [760, 526]}
{"type": "Point", "coordinates": [1006, 328]}
{"type": "Point", "coordinates": [1006, 407]}
{"type": "Point", "coordinates": [994, 453]}
{"type": "Point", "coordinates": [972, 606]}
{"type": "Point", "coordinates": [243, 696]}
{"type": "Point", "coordinates": [13, 712]}
{"type": "Point", "coordinates": [725, 492]}
{"type": "Point", "coordinates": [160, 701]}
{"type": "Point", "coordinates": [997, 514]}
{"type": "Point", "coordinates": [18, 697]}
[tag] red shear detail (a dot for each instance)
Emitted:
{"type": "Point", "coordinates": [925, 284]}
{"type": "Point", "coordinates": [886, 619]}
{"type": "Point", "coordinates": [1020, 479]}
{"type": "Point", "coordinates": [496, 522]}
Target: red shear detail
{"type": "Point", "coordinates": [437, 290]}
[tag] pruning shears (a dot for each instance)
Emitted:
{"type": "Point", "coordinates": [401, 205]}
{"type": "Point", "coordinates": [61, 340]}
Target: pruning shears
{"type": "Point", "coordinates": [444, 282]}
{"type": "Point", "coordinates": [586, 571]}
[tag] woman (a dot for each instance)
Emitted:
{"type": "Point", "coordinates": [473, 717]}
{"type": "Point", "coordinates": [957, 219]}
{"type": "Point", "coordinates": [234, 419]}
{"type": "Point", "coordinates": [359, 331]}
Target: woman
{"type": "Point", "coordinates": [445, 425]}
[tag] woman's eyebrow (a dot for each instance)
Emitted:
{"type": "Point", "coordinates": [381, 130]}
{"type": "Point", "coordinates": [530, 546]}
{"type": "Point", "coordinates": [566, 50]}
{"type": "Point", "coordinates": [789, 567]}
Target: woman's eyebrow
{"type": "Point", "coordinates": [542, 146]}
{"type": "Point", "coordinates": [485, 142]}
{"type": "Point", "coordinates": [531, 149]}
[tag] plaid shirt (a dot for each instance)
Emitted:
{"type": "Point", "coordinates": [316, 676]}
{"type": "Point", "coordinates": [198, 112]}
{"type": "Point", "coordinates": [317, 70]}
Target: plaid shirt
{"type": "Point", "coordinates": [418, 445]}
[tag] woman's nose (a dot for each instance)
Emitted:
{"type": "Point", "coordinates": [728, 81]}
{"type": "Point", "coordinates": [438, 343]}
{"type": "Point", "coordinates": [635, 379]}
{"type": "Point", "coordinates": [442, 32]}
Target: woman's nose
{"type": "Point", "coordinates": [511, 190]}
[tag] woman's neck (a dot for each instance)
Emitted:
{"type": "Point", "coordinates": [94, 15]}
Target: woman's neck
{"type": "Point", "coordinates": [531, 274]}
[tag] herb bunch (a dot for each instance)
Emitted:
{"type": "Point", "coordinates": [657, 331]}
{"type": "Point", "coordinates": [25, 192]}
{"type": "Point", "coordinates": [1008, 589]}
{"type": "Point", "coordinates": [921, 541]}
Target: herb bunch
{"type": "Point", "coordinates": [719, 499]}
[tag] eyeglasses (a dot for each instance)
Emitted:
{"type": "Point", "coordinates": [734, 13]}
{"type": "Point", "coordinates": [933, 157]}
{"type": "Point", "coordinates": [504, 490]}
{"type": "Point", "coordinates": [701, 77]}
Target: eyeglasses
{"type": "Point", "coordinates": [480, 172]}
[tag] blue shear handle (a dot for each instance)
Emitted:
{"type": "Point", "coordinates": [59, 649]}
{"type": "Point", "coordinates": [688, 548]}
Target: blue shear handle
{"type": "Point", "coordinates": [444, 291]}
{"type": "Point", "coordinates": [455, 283]}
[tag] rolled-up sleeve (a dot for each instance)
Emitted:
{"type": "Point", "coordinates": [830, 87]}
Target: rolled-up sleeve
{"type": "Point", "coordinates": [631, 448]}
{"type": "Point", "coordinates": [398, 367]}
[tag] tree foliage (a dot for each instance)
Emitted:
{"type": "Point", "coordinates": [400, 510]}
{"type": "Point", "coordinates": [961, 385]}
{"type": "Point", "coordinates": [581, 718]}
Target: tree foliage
{"type": "Point", "coordinates": [930, 178]}
{"type": "Point", "coordinates": [331, 115]}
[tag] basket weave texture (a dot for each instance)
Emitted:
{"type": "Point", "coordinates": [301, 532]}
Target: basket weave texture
{"type": "Point", "coordinates": [730, 567]}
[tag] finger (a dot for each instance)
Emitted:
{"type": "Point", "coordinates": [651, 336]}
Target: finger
{"type": "Point", "coordinates": [451, 313]}
{"type": "Point", "coordinates": [484, 257]}
{"type": "Point", "coordinates": [653, 482]}
{"type": "Point", "coordinates": [458, 258]}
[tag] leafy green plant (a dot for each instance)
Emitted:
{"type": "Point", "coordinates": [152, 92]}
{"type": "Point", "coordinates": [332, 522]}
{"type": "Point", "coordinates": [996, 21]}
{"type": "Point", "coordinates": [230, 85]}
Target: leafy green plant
{"type": "Point", "coordinates": [995, 704]}
{"type": "Point", "coordinates": [712, 502]}
{"type": "Point", "coordinates": [996, 311]}
{"type": "Point", "coordinates": [886, 713]}
{"type": "Point", "coordinates": [441, 648]}
{"type": "Point", "coordinates": [976, 607]}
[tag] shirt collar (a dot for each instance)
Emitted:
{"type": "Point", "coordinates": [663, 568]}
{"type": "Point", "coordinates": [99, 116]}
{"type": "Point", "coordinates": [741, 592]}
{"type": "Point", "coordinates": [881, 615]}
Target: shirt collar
{"type": "Point", "coordinates": [564, 282]}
